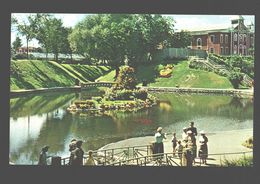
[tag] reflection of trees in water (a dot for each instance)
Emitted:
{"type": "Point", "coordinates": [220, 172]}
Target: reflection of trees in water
{"type": "Point", "coordinates": [187, 106]}
{"type": "Point", "coordinates": [32, 105]}
{"type": "Point", "coordinates": [240, 108]}
{"type": "Point", "coordinates": [52, 133]}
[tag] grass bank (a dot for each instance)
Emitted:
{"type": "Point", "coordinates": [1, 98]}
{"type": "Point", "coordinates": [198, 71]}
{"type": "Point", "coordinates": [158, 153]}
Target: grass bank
{"type": "Point", "coordinates": [33, 74]}
{"type": "Point", "coordinates": [182, 75]}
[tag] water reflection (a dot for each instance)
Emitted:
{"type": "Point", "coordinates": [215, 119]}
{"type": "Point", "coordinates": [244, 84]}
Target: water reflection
{"type": "Point", "coordinates": [39, 120]}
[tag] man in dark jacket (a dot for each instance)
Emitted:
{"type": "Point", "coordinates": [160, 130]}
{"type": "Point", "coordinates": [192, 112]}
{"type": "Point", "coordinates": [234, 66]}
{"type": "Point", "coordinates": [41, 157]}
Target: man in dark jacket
{"type": "Point", "coordinates": [43, 156]}
{"type": "Point", "coordinates": [78, 154]}
{"type": "Point", "coordinates": [192, 129]}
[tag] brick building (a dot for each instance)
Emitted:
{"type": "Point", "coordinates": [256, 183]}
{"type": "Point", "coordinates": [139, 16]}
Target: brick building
{"type": "Point", "coordinates": [22, 50]}
{"type": "Point", "coordinates": [237, 39]}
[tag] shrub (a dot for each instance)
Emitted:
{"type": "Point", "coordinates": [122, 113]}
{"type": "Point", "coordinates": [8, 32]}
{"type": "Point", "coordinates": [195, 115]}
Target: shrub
{"type": "Point", "coordinates": [123, 94]}
{"type": "Point", "coordinates": [126, 78]}
{"type": "Point", "coordinates": [158, 68]}
{"type": "Point", "coordinates": [243, 161]}
{"type": "Point", "coordinates": [140, 94]}
{"type": "Point", "coordinates": [235, 78]}
{"type": "Point", "coordinates": [249, 143]}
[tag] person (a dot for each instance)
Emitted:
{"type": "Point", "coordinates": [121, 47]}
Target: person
{"type": "Point", "coordinates": [179, 150]}
{"type": "Point", "coordinates": [187, 156]}
{"type": "Point", "coordinates": [174, 142]}
{"type": "Point", "coordinates": [90, 160]}
{"type": "Point", "coordinates": [191, 144]}
{"type": "Point", "coordinates": [203, 150]}
{"type": "Point", "coordinates": [77, 154]}
{"type": "Point", "coordinates": [159, 136]}
{"type": "Point", "coordinates": [72, 146]}
{"type": "Point", "coordinates": [184, 134]}
{"type": "Point", "coordinates": [192, 128]}
{"type": "Point", "coordinates": [43, 156]}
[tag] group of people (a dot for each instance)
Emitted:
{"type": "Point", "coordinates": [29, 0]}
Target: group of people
{"type": "Point", "coordinates": [76, 154]}
{"type": "Point", "coordinates": [186, 147]}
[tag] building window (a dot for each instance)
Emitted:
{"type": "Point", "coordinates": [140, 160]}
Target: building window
{"type": "Point", "coordinates": [211, 50]}
{"type": "Point", "coordinates": [252, 41]}
{"type": "Point", "coordinates": [226, 51]}
{"type": "Point", "coordinates": [199, 42]}
{"type": "Point", "coordinates": [240, 38]}
{"type": "Point", "coordinates": [245, 51]}
{"type": "Point", "coordinates": [245, 38]}
{"type": "Point", "coordinates": [221, 50]}
{"type": "Point", "coordinates": [221, 38]}
{"type": "Point", "coordinates": [235, 49]}
{"type": "Point", "coordinates": [212, 38]}
{"type": "Point", "coordinates": [235, 37]}
{"type": "Point", "coordinates": [226, 38]}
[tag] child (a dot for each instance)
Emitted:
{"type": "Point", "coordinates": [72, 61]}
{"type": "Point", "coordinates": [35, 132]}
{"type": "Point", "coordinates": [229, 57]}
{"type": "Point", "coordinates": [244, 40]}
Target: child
{"type": "Point", "coordinates": [174, 142]}
{"type": "Point", "coordinates": [179, 150]}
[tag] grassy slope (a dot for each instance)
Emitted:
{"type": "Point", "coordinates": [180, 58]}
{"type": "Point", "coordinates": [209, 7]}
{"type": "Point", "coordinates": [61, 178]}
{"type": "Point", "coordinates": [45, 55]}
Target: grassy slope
{"type": "Point", "coordinates": [86, 72]}
{"type": "Point", "coordinates": [26, 74]}
{"type": "Point", "coordinates": [182, 76]}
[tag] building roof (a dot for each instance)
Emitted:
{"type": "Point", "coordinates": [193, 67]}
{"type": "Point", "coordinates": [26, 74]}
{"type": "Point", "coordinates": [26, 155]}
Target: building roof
{"type": "Point", "coordinates": [205, 32]}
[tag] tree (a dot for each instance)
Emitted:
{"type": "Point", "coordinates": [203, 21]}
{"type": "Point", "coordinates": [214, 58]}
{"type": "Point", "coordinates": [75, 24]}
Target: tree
{"type": "Point", "coordinates": [181, 39]}
{"type": "Point", "coordinates": [28, 29]}
{"type": "Point", "coordinates": [113, 38]}
{"type": "Point", "coordinates": [235, 77]}
{"type": "Point", "coordinates": [52, 35]}
{"type": "Point", "coordinates": [17, 43]}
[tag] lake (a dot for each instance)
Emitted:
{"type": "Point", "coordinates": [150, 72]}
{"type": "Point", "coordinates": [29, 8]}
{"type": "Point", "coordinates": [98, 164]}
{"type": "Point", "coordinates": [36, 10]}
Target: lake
{"type": "Point", "coordinates": [38, 120]}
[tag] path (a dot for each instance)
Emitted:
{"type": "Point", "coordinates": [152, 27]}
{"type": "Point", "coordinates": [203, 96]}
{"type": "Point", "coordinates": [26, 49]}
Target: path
{"type": "Point", "coordinates": [220, 142]}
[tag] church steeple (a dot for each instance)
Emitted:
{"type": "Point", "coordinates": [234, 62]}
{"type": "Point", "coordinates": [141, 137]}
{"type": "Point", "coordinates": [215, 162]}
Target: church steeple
{"type": "Point", "coordinates": [237, 20]}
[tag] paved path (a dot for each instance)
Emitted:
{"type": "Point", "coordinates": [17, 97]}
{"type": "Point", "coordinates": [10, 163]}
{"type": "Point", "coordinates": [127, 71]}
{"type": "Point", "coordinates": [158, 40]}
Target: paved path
{"type": "Point", "coordinates": [219, 142]}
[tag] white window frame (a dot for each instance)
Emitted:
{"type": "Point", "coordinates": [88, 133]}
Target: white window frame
{"type": "Point", "coordinates": [211, 50]}
{"type": "Point", "coordinates": [235, 49]}
{"type": "Point", "coordinates": [212, 36]}
{"type": "Point", "coordinates": [226, 38]}
{"type": "Point", "coordinates": [221, 38]}
{"type": "Point", "coordinates": [235, 37]}
{"type": "Point", "coordinates": [226, 50]}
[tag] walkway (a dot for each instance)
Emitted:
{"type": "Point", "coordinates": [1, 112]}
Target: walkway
{"type": "Point", "coordinates": [235, 92]}
{"type": "Point", "coordinates": [219, 143]}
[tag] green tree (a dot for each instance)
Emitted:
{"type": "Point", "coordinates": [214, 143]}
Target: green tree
{"type": "Point", "coordinates": [17, 43]}
{"type": "Point", "coordinates": [235, 77]}
{"type": "Point", "coordinates": [52, 35]}
{"type": "Point", "coordinates": [28, 30]}
{"type": "Point", "coordinates": [181, 39]}
{"type": "Point", "coordinates": [113, 38]}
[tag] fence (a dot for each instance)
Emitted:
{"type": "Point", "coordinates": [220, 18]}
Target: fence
{"type": "Point", "coordinates": [180, 53]}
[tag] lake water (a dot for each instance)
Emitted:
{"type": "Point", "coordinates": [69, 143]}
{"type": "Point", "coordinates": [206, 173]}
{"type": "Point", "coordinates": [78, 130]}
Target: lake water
{"type": "Point", "coordinates": [39, 120]}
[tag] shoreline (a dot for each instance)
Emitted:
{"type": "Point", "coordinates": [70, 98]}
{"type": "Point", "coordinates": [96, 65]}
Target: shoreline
{"type": "Point", "coordinates": [236, 92]}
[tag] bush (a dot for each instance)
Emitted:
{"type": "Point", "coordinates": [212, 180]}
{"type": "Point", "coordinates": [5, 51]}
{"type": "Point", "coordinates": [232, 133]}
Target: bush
{"type": "Point", "coordinates": [126, 78]}
{"type": "Point", "coordinates": [235, 78]}
{"type": "Point", "coordinates": [20, 56]}
{"type": "Point", "coordinates": [249, 143]}
{"type": "Point", "coordinates": [243, 161]}
{"type": "Point", "coordinates": [158, 68]}
{"type": "Point", "coordinates": [123, 94]}
{"type": "Point", "coordinates": [140, 94]}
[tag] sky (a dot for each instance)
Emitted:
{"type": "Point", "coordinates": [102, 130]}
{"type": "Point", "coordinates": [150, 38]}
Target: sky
{"type": "Point", "coordinates": [182, 22]}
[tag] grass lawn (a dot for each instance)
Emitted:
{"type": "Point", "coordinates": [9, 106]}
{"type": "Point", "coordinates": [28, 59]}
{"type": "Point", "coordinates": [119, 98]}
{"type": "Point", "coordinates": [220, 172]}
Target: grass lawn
{"type": "Point", "coordinates": [182, 75]}
{"type": "Point", "coordinates": [32, 74]}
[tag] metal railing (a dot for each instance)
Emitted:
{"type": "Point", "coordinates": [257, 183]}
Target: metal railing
{"type": "Point", "coordinates": [143, 156]}
{"type": "Point", "coordinates": [108, 156]}
{"type": "Point", "coordinates": [97, 84]}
